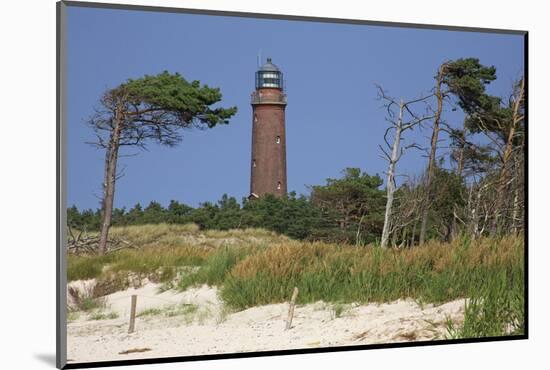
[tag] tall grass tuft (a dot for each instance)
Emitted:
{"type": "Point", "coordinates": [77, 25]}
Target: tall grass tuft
{"type": "Point", "coordinates": [215, 268]}
{"type": "Point", "coordinates": [497, 307]}
{"type": "Point", "coordinates": [431, 273]}
{"type": "Point", "coordinates": [86, 267]}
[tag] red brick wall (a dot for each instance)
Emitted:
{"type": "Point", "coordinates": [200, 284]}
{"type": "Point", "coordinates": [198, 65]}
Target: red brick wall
{"type": "Point", "coordinates": [269, 157]}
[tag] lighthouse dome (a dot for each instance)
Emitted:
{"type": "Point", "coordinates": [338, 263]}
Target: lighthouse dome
{"type": "Point", "coordinates": [269, 67]}
{"type": "Point", "coordinates": [269, 76]}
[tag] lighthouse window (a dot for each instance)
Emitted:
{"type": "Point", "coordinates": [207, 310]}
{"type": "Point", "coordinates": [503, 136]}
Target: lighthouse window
{"type": "Point", "coordinates": [279, 185]}
{"type": "Point", "coordinates": [254, 163]}
{"type": "Point", "coordinates": [271, 82]}
{"type": "Point", "coordinates": [278, 140]}
{"type": "Point", "coordinates": [268, 79]}
{"type": "Point", "coordinates": [255, 119]}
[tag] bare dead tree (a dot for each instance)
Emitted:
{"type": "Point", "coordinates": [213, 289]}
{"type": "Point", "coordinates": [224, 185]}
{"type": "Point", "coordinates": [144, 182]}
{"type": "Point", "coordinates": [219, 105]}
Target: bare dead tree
{"type": "Point", "coordinates": [516, 102]}
{"type": "Point", "coordinates": [401, 117]}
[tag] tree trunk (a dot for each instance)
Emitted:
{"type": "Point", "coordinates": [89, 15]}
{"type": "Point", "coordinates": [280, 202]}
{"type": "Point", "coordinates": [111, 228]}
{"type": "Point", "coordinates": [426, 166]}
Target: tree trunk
{"type": "Point", "coordinates": [517, 220]}
{"type": "Point", "coordinates": [390, 188]}
{"type": "Point", "coordinates": [111, 157]}
{"type": "Point", "coordinates": [502, 183]}
{"type": "Point", "coordinates": [394, 238]}
{"type": "Point", "coordinates": [404, 237]}
{"type": "Point", "coordinates": [431, 160]}
{"type": "Point", "coordinates": [358, 234]}
{"type": "Point", "coordinates": [460, 159]}
{"type": "Point", "coordinates": [475, 214]}
{"type": "Point", "coordinates": [413, 235]}
{"type": "Point", "coordinates": [508, 150]}
{"type": "Point", "coordinates": [515, 211]}
{"type": "Point", "coordinates": [459, 169]}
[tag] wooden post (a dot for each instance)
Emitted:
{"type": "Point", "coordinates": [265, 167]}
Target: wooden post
{"type": "Point", "coordinates": [291, 308]}
{"type": "Point", "coordinates": [133, 314]}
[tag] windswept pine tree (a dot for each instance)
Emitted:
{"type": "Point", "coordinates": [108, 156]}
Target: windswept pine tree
{"type": "Point", "coordinates": [463, 80]}
{"type": "Point", "coordinates": [149, 109]}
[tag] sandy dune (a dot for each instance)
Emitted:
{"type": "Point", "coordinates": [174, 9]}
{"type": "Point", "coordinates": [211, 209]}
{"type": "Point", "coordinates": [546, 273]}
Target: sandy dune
{"type": "Point", "coordinates": [212, 329]}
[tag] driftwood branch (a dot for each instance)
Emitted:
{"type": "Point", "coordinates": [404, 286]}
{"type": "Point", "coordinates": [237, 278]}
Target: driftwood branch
{"type": "Point", "coordinates": [83, 243]}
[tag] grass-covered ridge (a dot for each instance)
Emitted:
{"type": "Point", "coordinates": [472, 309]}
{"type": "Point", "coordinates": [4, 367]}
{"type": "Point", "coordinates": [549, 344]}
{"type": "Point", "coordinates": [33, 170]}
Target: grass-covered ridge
{"type": "Point", "coordinates": [254, 267]}
{"type": "Point", "coordinates": [163, 248]}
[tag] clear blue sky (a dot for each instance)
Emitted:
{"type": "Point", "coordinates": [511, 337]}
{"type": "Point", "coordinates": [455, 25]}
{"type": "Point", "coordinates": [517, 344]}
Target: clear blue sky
{"type": "Point", "coordinates": [333, 118]}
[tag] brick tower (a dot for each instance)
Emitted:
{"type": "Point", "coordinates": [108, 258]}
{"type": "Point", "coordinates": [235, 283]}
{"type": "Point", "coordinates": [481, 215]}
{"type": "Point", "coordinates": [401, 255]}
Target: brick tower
{"type": "Point", "coordinates": [268, 165]}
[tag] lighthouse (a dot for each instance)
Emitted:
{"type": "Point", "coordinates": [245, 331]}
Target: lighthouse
{"type": "Point", "coordinates": [268, 162]}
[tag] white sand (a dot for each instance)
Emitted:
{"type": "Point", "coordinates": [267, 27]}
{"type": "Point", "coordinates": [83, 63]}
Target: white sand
{"type": "Point", "coordinates": [211, 329]}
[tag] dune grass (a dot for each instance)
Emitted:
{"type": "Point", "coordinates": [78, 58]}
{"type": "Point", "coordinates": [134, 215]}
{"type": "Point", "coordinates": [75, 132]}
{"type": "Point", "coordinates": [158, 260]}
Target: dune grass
{"type": "Point", "coordinates": [432, 273]}
{"type": "Point", "coordinates": [170, 311]}
{"type": "Point", "coordinates": [103, 315]}
{"type": "Point", "coordinates": [164, 248]}
{"type": "Point", "coordinates": [86, 267]}
{"type": "Point", "coordinates": [495, 309]}
{"type": "Point", "coordinates": [255, 267]}
{"type": "Point", "coordinates": [489, 272]}
{"type": "Point", "coordinates": [216, 267]}
{"type": "Point", "coordinates": [188, 312]}
{"type": "Point", "coordinates": [146, 260]}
